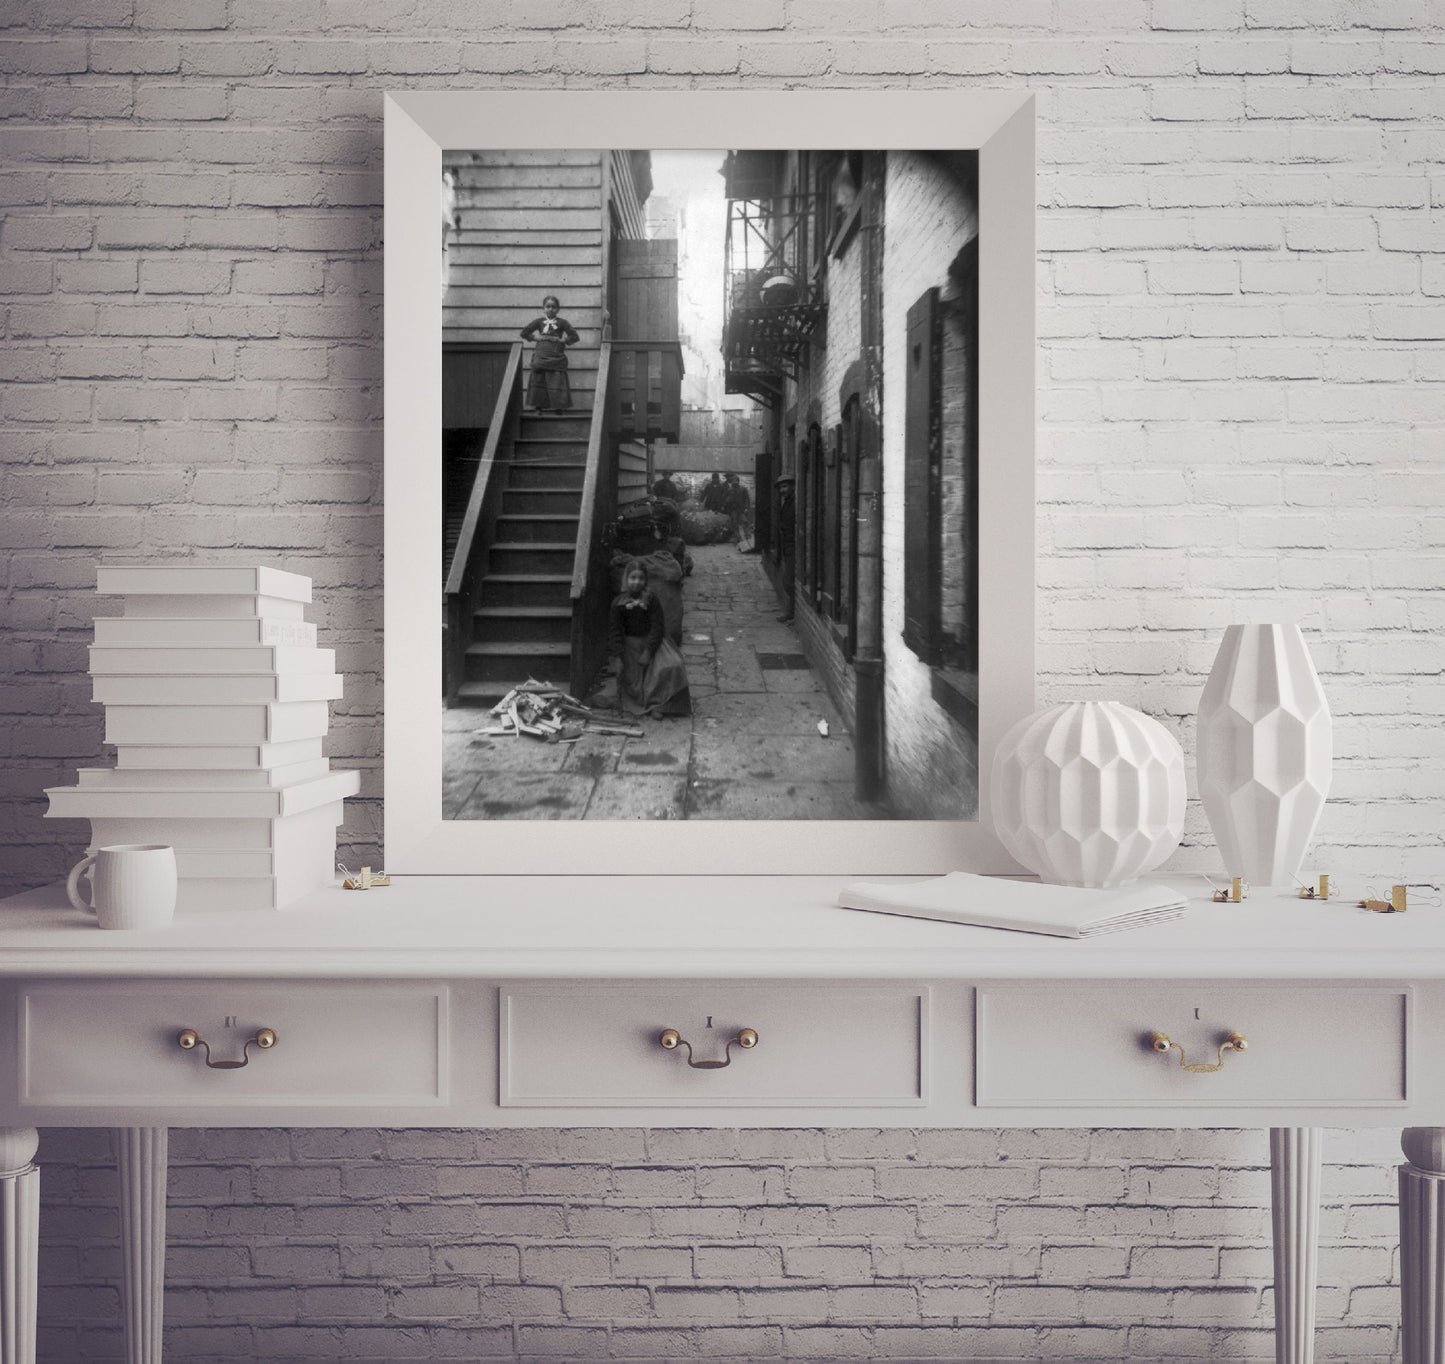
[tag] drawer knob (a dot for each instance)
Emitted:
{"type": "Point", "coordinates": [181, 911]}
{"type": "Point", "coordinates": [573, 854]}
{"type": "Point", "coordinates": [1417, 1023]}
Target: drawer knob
{"type": "Point", "coordinates": [190, 1039]}
{"type": "Point", "coordinates": [671, 1040]}
{"type": "Point", "coordinates": [1236, 1041]}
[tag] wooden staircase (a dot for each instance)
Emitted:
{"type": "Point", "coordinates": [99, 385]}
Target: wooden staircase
{"type": "Point", "coordinates": [522, 626]}
{"type": "Point", "coordinates": [530, 224]}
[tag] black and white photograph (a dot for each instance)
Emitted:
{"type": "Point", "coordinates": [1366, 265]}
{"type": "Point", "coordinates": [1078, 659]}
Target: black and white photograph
{"type": "Point", "coordinates": [709, 471]}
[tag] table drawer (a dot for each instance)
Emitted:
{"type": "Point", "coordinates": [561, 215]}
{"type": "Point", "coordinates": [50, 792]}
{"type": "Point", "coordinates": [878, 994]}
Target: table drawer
{"type": "Point", "coordinates": [1085, 1046]}
{"type": "Point", "coordinates": [597, 1046]}
{"type": "Point", "coordinates": [337, 1043]}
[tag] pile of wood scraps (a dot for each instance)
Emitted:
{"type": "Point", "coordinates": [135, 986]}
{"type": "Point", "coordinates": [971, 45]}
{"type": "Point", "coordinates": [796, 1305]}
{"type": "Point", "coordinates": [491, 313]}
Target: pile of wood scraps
{"type": "Point", "coordinates": [541, 711]}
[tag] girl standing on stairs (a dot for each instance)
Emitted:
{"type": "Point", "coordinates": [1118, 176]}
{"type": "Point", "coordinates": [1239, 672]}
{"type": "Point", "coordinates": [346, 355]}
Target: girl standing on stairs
{"type": "Point", "coordinates": [548, 389]}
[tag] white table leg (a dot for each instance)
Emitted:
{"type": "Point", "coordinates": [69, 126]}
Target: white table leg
{"type": "Point", "coordinates": [19, 1243]}
{"type": "Point", "coordinates": [141, 1153]}
{"type": "Point", "coordinates": [1422, 1245]}
{"type": "Point", "coordinates": [1294, 1169]}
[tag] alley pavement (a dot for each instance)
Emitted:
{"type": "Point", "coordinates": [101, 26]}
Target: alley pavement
{"type": "Point", "coordinates": [750, 750]}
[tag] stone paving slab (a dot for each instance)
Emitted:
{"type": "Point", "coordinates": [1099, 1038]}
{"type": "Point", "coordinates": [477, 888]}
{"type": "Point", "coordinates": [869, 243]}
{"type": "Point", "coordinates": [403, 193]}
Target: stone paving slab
{"type": "Point", "coordinates": [457, 789]}
{"type": "Point", "coordinates": [463, 719]}
{"type": "Point", "coordinates": [515, 795]}
{"type": "Point", "coordinates": [737, 669]}
{"type": "Point", "coordinates": [638, 797]}
{"type": "Point", "coordinates": [771, 758]}
{"type": "Point", "coordinates": [775, 714]}
{"type": "Point", "coordinates": [791, 681]}
{"type": "Point", "coordinates": [522, 754]}
{"type": "Point", "coordinates": [776, 639]}
{"type": "Point", "coordinates": [594, 755]}
{"type": "Point", "coordinates": [776, 800]}
{"type": "Point", "coordinates": [666, 749]}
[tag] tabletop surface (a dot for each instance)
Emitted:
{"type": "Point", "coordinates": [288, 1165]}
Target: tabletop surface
{"type": "Point", "coordinates": [705, 927]}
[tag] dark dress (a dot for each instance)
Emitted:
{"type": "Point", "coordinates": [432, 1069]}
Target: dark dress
{"type": "Point", "coordinates": [548, 387]}
{"type": "Point", "coordinates": [658, 687]}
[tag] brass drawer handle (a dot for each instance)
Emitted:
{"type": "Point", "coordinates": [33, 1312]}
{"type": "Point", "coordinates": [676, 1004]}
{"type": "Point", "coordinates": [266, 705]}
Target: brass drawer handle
{"type": "Point", "coordinates": [671, 1039]}
{"type": "Point", "coordinates": [1236, 1041]}
{"type": "Point", "coordinates": [190, 1039]}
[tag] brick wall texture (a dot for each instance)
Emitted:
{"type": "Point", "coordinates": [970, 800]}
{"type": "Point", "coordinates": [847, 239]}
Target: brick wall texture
{"type": "Point", "coordinates": [1241, 307]}
{"type": "Point", "coordinates": [931, 759]}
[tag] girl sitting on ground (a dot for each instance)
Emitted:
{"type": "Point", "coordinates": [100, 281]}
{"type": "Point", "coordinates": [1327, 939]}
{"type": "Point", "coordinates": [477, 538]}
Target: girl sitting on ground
{"type": "Point", "coordinates": [652, 678]}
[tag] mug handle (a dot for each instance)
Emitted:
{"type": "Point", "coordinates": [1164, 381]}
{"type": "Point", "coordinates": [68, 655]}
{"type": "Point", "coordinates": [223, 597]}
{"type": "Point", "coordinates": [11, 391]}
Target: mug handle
{"type": "Point", "coordinates": [72, 885]}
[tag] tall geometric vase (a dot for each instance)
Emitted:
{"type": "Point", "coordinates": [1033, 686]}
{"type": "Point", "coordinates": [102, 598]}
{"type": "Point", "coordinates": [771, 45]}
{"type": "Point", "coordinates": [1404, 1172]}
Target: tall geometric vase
{"type": "Point", "coordinates": [1088, 793]}
{"type": "Point", "coordinates": [1263, 751]}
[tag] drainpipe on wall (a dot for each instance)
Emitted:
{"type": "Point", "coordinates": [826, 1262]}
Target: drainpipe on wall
{"type": "Point", "coordinates": [868, 780]}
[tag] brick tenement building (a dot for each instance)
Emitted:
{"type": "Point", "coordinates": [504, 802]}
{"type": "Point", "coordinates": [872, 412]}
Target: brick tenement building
{"type": "Point", "coordinates": [858, 329]}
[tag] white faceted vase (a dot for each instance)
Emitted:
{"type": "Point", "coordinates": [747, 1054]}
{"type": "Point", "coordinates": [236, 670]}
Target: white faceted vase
{"type": "Point", "coordinates": [1263, 751]}
{"type": "Point", "coordinates": [1090, 793]}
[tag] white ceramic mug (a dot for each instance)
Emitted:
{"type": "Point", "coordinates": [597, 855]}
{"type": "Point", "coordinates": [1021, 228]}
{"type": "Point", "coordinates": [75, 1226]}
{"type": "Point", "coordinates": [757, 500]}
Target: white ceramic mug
{"type": "Point", "coordinates": [133, 885]}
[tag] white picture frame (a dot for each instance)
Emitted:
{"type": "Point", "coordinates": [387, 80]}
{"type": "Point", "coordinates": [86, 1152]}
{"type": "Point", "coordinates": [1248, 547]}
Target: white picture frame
{"type": "Point", "coordinates": [419, 126]}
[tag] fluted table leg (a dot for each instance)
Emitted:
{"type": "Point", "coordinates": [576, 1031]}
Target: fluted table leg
{"type": "Point", "coordinates": [1294, 1167]}
{"type": "Point", "coordinates": [19, 1243]}
{"type": "Point", "coordinates": [141, 1153]}
{"type": "Point", "coordinates": [1422, 1245]}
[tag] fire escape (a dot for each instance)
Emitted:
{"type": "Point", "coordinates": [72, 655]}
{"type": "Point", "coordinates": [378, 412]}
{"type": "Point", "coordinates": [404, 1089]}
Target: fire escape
{"type": "Point", "coordinates": [773, 299]}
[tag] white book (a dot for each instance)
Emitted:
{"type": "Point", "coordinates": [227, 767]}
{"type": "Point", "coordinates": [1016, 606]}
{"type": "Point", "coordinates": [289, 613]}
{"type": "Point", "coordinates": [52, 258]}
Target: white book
{"type": "Point", "coordinates": [291, 832]}
{"type": "Point", "coordinates": [313, 862]}
{"type": "Point", "coordinates": [200, 779]}
{"type": "Point", "coordinates": [151, 661]}
{"type": "Point", "coordinates": [74, 802]}
{"type": "Point", "coordinates": [275, 723]}
{"type": "Point", "coordinates": [228, 894]}
{"type": "Point", "coordinates": [179, 632]}
{"type": "Point", "coordinates": [175, 580]}
{"type": "Point", "coordinates": [227, 758]}
{"type": "Point", "coordinates": [993, 902]}
{"type": "Point", "coordinates": [214, 607]}
{"type": "Point", "coordinates": [214, 689]}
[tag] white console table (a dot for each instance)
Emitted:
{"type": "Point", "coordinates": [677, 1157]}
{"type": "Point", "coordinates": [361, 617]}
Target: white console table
{"type": "Point", "coordinates": [537, 1002]}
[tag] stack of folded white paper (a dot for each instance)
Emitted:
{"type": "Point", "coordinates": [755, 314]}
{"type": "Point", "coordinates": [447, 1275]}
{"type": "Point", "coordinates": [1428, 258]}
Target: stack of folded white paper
{"type": "Point", "coordinates": [992, 902]}
{"type": "Point", "coordinates": [216, 700]}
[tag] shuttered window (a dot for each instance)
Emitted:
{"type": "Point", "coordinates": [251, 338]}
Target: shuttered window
{"type": "Point", "coordinates": [846, 438]}
{"type": "Point", "coordinates": [922, 476]}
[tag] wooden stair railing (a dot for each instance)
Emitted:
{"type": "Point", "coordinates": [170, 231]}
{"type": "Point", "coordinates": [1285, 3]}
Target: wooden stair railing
{"type": "Point", "coordinates": [469, 558]}
{"type": "Point", "coordinates": [591, 586]}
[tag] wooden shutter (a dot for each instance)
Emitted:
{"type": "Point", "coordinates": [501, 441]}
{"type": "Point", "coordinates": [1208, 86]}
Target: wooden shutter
{"type": "Point", "coordinates": [922, 455]}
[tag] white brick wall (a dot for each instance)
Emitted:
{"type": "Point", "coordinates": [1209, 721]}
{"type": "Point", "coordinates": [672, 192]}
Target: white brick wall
{"type": "Point", "coordinates": [1241, 306]}
{"type": "Point", "coordinates": [629, 1243]}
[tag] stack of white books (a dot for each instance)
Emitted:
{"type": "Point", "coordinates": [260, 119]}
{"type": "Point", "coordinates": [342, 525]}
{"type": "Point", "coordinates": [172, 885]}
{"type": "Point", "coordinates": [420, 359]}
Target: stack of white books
{"type": "Point", "coordinates": [216, 701]}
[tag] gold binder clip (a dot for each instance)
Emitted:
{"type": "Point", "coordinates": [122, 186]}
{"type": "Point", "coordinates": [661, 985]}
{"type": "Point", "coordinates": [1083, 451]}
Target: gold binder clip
{"type": "Point", "coordinates": [1396, 904]}
{"type": "Point", "coordinates": [365, 879]}
{"type": "Point", "coordinates": [1236, 892]}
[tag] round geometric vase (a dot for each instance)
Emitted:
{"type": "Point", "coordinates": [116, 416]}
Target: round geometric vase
{"type": "Point", "coordinates": [1089, 793]}
{"type": "Point", "coordinates": [1263, 751]}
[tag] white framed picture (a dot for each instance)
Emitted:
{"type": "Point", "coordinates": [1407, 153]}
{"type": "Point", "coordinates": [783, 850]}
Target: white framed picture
{"type": "Point", "coordinates": [709, 478]}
